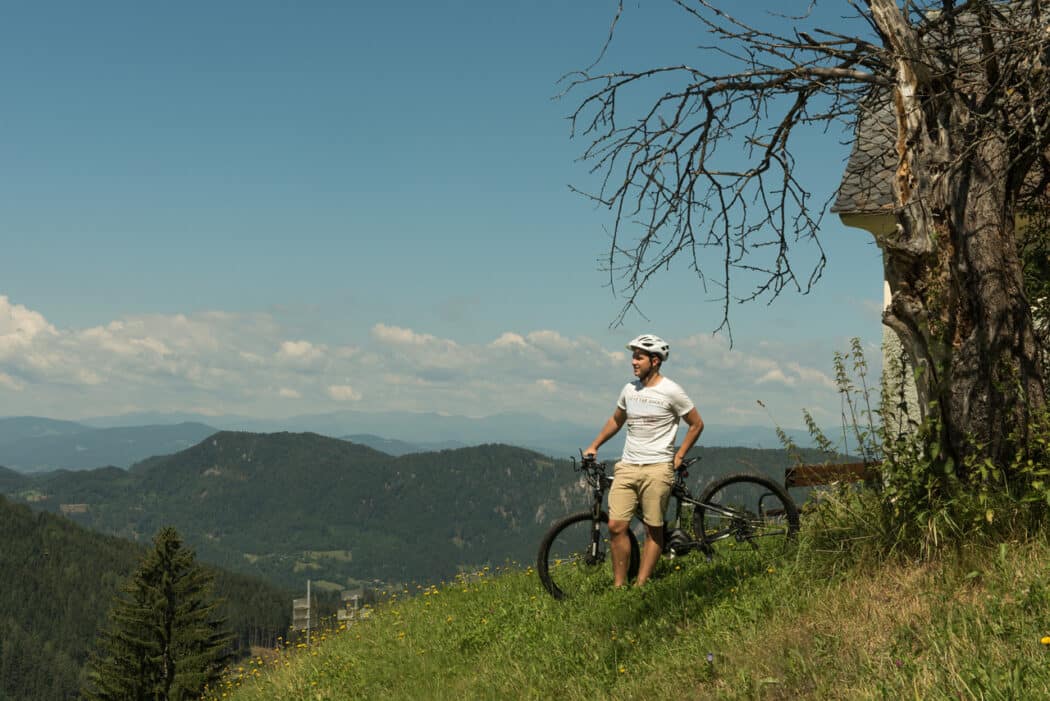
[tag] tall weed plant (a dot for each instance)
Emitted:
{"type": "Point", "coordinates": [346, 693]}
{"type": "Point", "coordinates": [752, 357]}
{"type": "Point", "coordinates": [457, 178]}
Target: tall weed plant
{"type": "Point", "coordinates": [923, 502]}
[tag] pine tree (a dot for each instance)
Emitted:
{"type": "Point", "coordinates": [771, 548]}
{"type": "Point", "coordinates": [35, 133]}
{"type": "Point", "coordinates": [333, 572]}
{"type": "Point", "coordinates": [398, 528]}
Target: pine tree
{"type": "Point", "coordinates": [164, 639]}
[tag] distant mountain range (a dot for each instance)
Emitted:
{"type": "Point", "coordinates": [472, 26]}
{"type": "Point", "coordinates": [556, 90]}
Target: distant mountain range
{"type": "Point", "coordinates": [30, 444]}
{"type": "Point", "coordinates": [392, 446]}
{"type": "Point", "coordinates": [291, 506]}
{"type": "Point", "coordinates": [35, 444]}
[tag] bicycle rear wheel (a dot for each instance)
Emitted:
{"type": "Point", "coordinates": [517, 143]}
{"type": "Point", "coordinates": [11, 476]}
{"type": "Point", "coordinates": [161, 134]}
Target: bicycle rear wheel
{"type": "Point", "coordinates": [746, 516]}
{"type": "Point", "coordinates": [574, 556]}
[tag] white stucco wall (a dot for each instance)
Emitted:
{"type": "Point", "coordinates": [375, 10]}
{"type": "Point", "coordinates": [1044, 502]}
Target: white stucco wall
{"type": "Point", "coordinates": [900, 397]}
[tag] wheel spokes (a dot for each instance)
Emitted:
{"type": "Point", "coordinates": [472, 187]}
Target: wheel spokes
{"type": "Point", "coordinates": [575, 561]}
{"type": "Point", "coordinates": [741, 516]}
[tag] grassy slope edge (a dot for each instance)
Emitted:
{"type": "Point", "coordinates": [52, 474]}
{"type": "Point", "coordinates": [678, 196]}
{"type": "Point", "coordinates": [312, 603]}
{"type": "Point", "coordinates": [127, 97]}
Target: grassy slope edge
{"type": "Point", "coordinates": [966, 627]}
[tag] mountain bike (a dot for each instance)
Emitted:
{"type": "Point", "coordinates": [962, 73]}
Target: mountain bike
{"type": "Point", "coordinates": [738, 515]}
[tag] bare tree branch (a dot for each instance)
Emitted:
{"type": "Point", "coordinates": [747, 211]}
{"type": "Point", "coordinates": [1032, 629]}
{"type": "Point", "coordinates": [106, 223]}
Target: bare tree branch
{"type": "Point", "coordinates": [662, 173]}
{"type": "Point", "coordinates": [706, 171]}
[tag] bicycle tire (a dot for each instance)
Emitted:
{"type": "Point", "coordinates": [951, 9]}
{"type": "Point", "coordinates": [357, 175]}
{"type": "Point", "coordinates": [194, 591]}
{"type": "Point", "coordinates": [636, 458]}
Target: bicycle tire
{"type": "Point", "coordinates": [757, 516]}
{"type": "Point", "coordinates": [564, 564]}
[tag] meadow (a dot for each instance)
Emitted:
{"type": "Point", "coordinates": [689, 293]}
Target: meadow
{"type": "Point", "coordinates": [972, 623]}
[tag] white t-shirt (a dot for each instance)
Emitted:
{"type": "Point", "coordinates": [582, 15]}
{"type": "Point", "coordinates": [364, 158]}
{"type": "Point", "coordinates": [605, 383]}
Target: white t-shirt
{"type": "Point", "coordinates": [653, 415]}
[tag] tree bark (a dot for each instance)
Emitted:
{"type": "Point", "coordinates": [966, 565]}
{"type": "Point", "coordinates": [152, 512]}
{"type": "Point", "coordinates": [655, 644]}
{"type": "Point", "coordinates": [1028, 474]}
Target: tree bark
{"type": "Point", "coordinates": [958, 300]}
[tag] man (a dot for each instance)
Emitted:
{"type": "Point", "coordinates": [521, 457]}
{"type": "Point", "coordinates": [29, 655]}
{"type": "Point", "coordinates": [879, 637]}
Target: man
{"type": "Point", "coordinates": [652, 406]}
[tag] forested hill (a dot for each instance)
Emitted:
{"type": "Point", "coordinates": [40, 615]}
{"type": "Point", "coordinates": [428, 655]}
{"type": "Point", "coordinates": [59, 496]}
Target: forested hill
{"type": "Point", "coordinates": [57, 583]}
{"type": "Point", "coordinates": [293, 506]}
{"type": "Point", "coordinates": [11, 481]}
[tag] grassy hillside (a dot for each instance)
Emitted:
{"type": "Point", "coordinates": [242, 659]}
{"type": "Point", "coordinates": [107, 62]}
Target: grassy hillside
{"type": "Point", "coordinates": [971, 626]}
{"type": "Point", "coordinates": [57, 583]}
{"type": "Point", "coordinates": [292, 506]}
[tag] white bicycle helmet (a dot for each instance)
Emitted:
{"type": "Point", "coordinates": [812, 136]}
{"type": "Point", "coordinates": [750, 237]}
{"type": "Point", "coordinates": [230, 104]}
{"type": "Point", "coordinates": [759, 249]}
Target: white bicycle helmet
{"type": "Point", "coordinates": [649, 343]}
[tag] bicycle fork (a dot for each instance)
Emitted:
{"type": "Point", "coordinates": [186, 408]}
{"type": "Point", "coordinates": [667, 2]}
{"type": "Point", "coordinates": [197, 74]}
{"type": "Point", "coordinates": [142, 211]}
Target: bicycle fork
{"type": "Point", "coordinates": [594, 555]}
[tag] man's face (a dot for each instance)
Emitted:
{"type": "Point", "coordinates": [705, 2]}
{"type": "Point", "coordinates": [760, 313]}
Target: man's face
{"type": "Point", "coordinates": [642, 363]}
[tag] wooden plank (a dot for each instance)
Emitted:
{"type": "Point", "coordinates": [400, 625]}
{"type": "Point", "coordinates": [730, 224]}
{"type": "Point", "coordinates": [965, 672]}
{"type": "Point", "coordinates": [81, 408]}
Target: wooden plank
{"type": "Point", "coordinates": [812, 475]}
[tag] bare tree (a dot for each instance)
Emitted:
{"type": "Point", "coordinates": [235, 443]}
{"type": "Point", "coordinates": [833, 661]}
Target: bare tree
{"type": "Point", "coordinates": [965, 86]}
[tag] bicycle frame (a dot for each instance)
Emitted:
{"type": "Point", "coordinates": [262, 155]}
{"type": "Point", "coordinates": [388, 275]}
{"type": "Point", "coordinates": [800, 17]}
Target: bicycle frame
{"type": "Point", "coordinates": [681, 494]}
{"type": "Point", "coordinates": [600, 483]}
{"type": "Point", "coordinates": [718, 514]}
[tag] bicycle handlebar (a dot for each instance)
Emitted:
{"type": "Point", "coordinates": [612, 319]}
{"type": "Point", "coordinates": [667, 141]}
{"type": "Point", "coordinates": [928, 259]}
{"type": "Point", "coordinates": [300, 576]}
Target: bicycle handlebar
{"type": "Point", "coordinates": [588, 462]}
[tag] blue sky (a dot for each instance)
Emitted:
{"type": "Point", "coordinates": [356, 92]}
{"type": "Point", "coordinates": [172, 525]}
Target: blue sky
{"type": "Point", "coordinates": [272, 208]}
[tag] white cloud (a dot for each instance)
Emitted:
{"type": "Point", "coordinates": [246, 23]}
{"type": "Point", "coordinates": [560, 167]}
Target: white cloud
{"type": "Point", "coordinates": [19, 326]}
{"type": "Point", "coordinates": [812, 376]}
{"type": "Point", "coordinates": [206, 410]}
{"type": "Point", "coordinates": [343, 393]}
{"type": "Point", "coordinates": [509, 340]}
{"type": "Point", "coordinates": [400, 336]}
{"type": "Point", "coordinates": [300, 352]}
{"type": "Point", "coordinates": [395, 379]}
{"type": "Point", "coordinates": [775, 375]}
{"type": "Point", "coordinates": [10, 382]}
{"type": "Point", "coordinates": [251, 364]}
{"type": "Point", "coordinates": [747, 414]}
{"type": "Point", "coordinates": [88, 377]}
{"type": "Point", "coordinates": [128, 339]}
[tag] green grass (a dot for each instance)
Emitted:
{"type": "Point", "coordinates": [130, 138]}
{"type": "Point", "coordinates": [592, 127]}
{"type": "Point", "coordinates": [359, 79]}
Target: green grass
{"type": "Point", "coordinates": [968, 626]}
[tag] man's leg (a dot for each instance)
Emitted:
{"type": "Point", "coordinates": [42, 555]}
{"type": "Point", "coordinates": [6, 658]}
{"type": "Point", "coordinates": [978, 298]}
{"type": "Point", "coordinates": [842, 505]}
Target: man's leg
{"type": "Point", "coordinates": [654, 545]}
{"type": "Point", "coordinates": [620, 546]}
{"type": "Point", "coordinates": [623, 500]}
{"type": "Point", "coordinates": [654, 493]}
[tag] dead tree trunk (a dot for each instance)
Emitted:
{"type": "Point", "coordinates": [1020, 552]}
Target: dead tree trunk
{"type": "Point", "coordinates": [958, 297]}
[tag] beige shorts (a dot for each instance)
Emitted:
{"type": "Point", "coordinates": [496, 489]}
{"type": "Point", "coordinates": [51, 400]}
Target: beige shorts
{"type": "Point", "coordinates": [647, 485]}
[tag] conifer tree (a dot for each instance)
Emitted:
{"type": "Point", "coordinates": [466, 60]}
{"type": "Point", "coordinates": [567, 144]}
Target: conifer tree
{"type": "Point", "coordinates": [165, 639]}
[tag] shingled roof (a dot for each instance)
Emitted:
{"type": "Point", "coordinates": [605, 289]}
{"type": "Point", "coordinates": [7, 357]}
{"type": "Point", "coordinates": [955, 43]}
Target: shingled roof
{"type": "Point", "coordinates": [867, 183]}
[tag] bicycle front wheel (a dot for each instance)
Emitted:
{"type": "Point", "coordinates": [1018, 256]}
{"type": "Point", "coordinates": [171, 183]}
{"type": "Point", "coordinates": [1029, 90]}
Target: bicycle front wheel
{"type": "Point", "coordinates": [574, 557]}
{"type": "Point", "coordinates": [746, 515]}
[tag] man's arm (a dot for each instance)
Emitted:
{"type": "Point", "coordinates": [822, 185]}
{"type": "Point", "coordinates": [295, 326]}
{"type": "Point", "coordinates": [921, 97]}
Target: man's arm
{"type": "Point", "coordinates": [610, 429]}
{"type": "Point", "coordinates": [696, 427]}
